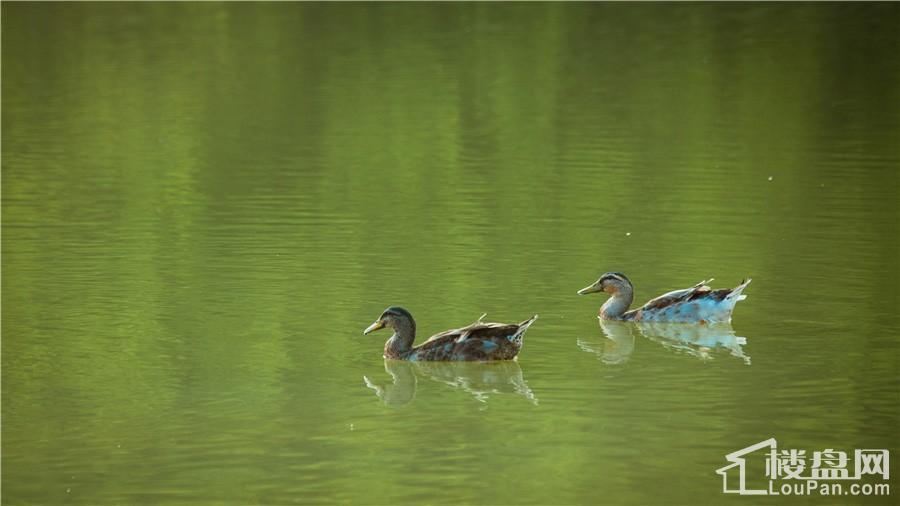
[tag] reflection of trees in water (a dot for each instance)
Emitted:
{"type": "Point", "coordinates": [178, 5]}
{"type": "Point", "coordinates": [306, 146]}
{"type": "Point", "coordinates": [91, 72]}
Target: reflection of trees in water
{"type": "Point", "coordinates": [697, 340]}
{"type": "Point", "coordinates": [480, 379]}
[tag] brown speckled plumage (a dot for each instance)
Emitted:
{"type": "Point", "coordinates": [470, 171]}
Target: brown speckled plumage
{"type": "Point", "coordinates": [480, 341]}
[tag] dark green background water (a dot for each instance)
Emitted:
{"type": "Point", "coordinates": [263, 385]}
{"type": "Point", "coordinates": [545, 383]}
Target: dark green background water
{"type": "Point", "coordinates": [205, 204]}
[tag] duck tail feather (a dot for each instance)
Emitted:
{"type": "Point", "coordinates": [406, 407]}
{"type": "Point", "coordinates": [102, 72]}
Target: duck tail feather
{"type": "Point", "coordinates": [524, 325]}
{"type": "Point", "coordinates": [736, 294]}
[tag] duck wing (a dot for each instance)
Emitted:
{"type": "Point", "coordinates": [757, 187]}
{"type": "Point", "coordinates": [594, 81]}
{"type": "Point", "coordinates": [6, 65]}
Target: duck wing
{"type": "Point", "coordinates": [677, 296]}
{"type": "Point", "coordinates": [477, 341]}
{"type": "Point", "coordinates": [698, 304]}
{"type": "Point", "coordinates": [480, 328]}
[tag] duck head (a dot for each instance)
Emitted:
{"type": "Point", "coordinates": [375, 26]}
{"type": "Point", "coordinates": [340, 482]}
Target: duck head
{"type": "Point", "coordinates": [611, 283]}
{"type": "Point", "coordinates": [404, 327]}
{"type": "Point", "coordinates": [394, 317]}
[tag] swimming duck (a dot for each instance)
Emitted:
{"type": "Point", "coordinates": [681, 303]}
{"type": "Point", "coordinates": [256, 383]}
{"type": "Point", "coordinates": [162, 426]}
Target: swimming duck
{"type": "Point", "coordinates": [478, 341]}
{"type": "Point", "coordinates": [698, 304]}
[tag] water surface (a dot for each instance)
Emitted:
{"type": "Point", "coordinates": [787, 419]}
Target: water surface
{"type": "Point", "coordinates": [205, 204]}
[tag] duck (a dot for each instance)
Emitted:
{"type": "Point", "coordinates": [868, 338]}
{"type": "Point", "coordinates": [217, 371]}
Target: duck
{"type": "Point", "coordinates": [479, 341]}
{"type": "Point", "coordinates": [697, 304]}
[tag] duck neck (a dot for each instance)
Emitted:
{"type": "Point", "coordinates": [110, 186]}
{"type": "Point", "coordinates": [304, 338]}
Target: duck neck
{"type": "Point", "coordinates": [615, 306]}
{"type": "Point", "coordinates": [401, 342]}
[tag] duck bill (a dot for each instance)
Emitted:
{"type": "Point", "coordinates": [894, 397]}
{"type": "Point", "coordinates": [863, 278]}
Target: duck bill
{"type": "Point", "coordinates": [373, 327]}
{"type": "Point", "coordinates": [589, 289]}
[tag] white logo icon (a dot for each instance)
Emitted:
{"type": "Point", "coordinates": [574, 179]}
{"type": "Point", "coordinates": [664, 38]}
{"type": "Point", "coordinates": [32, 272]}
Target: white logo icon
{"type": "Point", "coordinates": [763, 469]}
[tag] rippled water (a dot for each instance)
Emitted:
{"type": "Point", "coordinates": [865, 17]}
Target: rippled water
{"type": "Point", "coordinates": [205, 204]}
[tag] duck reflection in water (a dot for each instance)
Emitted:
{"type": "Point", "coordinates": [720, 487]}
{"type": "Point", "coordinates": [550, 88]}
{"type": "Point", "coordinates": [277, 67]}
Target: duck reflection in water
{"type": "Point", "coordinates": [480, 379]}
{"type": "Point", "coordinates": [618, 345]}
{"type": "Point", "coordinates": [699, 341]}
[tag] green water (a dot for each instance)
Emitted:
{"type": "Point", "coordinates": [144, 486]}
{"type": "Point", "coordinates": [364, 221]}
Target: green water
{"type": "Point", "coordinates": [205, 204]}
